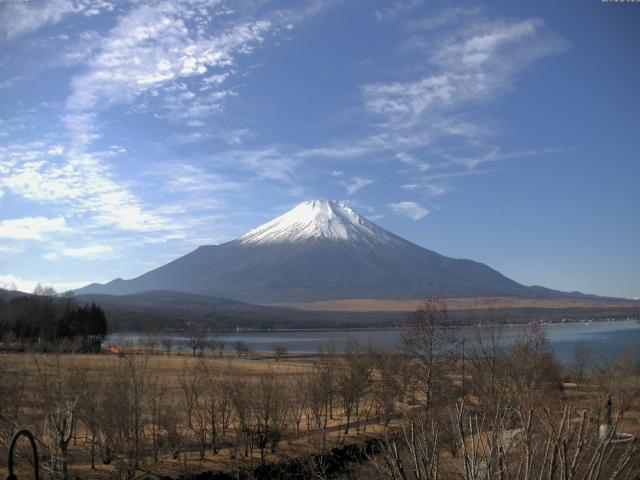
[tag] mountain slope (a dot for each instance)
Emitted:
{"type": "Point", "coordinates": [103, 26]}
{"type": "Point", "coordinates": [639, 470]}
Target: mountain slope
{"type": "Point", "coordinates": [321, 251]}
{"type": "Point", "coordinates": [162, 309]}
{"type": "Point", "coordinates": [7, 295]}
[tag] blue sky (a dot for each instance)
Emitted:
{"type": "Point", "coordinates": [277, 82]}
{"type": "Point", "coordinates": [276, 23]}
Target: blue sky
{"type": "Point", "coordinates": [506, 132]}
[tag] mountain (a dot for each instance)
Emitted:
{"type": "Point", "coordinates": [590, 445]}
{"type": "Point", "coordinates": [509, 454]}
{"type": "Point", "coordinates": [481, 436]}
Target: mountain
{"type": "Point", "coordinates": [7, 295]}
{"type": "Point", "coordinates": [322, 250]}
{"type": "Point", "coordinates": [169, 309]}
{"type": "Point", "coordinates": [163, 309]}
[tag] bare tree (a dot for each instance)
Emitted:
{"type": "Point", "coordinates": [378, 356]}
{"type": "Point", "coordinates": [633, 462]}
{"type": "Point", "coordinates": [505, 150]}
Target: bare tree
{"type": "Point", "coordinates": [218, 341]}
{"type": "Point", "coordinates": [196, 336]}
{"type": "Point", "coordinates": [386, 384]}
{"type": "Point", "coordinates": [551, 445]}
{"type": "Point", "coordinates": [280, 351]}
{"type": "Point", "coordinates": [167, 344]}
{"type": "Point", "coordinates": [354, 378]}
{"type": "Point", "coordinates": [241, 348]}
{"type": "Point", "coordinates": [156, 408]}
{"type": "Point", "coordinates": [581, 360]}
{"type": "Point", "coordinates": [88, 405]}
{"type": "Point", "coordinates": [412, 454]}
{"type": "Point", "coordinates": [12, 393]}
{"type": "Point", "coordinates": [189, 381]}
{"type": "Point", "coordinates": [150, 341]}
{"type": "Point", "coordinates": [216, 402]}
{"type": "Point", "coordinates": [136, 369]}
{"type": "Point", "coordinates": [427, 336]}
{"type": "Point", "coordinates": [59, 427]}
{"type": "Point", "coordinates": [532, 368]}
{"type": "Point", "coordinates": [487, 358]}
{"type": "Point", "coordinates": [298, 399]}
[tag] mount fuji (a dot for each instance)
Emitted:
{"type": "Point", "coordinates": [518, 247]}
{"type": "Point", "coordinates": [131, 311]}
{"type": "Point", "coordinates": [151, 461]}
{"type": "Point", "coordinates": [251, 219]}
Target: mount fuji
{"type": "Point", "coordinates": [322, 251]}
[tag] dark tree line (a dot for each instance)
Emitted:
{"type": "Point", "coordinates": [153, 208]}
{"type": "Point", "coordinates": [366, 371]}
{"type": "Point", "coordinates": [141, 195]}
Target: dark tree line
{"type": "Point", "coordinates": [45, 319]}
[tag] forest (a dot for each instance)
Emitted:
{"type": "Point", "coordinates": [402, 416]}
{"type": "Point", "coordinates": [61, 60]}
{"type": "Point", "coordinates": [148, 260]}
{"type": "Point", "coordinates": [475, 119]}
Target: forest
{"type": "Point", "coordinates": [43, 321]}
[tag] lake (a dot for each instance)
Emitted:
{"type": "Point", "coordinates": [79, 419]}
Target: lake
{"type": "Point", "coordinates": [604, 338]}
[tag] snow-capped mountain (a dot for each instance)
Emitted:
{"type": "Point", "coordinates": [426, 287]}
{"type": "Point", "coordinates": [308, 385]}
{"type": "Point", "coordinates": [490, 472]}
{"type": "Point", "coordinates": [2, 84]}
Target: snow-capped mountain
{"type": "Point", "coordinates": [318, 220]}
{"type": "Point", "coordinates": [321, 250]}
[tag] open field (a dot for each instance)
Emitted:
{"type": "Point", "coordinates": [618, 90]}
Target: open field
{"type": "Point", "coordinates": [408, 305]}
{"type": "Point", "coordinates": [182, 381]}
{"type": "Point", "coordinates": [147, 414]}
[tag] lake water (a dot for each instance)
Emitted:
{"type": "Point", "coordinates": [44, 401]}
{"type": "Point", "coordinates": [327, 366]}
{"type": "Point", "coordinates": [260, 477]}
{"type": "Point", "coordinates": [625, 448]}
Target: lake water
{"type": "Point", "coordinates": [604, 338]}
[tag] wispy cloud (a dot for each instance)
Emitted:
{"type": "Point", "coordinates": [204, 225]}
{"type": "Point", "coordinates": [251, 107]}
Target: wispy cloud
{"type": "Point", "coordinates": [356, 149]}
{"type": "Point", "coordinates": [443, 17]}
{"type": "Point", "coordinates": [396, 9]}
{"type": "Point", "coordinates": [496, 154]}
{"type": "Point", "coordinates": [188, 178]}
{"type": "Point", "coordinates": [411, 161]}
{"type": "Point", "coordinates": [268, 163]}
{"type": "Point", "coordinates": [413, 210]}
{"type": "Point", "coordinates": [356, 184]}
{"type": "Point", "coordinates": [471, 65]}
{"type": "Point", "coordinates": [465, 67]}
{"type": "Point", "coordinates": [89, 252]}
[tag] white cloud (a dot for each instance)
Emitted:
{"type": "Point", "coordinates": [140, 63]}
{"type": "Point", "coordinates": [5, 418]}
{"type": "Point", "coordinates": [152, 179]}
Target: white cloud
{"type": "Point", "coordinates": [89, 252]}
{"type": "Point", "coordinates": [81, 183]}
{"type": "Point", "coordinates": [428, 190]}
{"type": "Point", "coordinates": [14, 282]}
{"type": "Point", "coordinates": [411, 161]}
{"type": "Point", "coordinates": [32, 228]}
{"type": "Point", "coordinates": [471, 65]}
{"type": "Point", "coordinates": [413, 210]}
{"type": "Point", "coordinates": [18, 18]}
{"type": "Point", "coordinates": [355, 149]}
{"type": "Point", "coordinates": [444, 17]}
{"type": "Point", "coordinates": [336, 173]}
{"type": "Point", "coordinates": [396, 9]}
{"type": "Point", "coordinates": [237, 136]}
{"type": "Point", "coordinates": [268, 163]}
{"type": "Point", "coordinates": [356, 184]}
{"type": "Point", "coordinates": [185, 178]}
{"type": "Point", "coordinates": [152, 49]}
{"type": "Point", "coordinates": [496, 154]}
{"type": "Point", "coordinates": [192, 137]}
{"type": "Point", "coordinates": [435, 190]}
{"type": "Point", "coordinates": [10, 282]}
{"type": "Point", "coordinates": [11, 250]}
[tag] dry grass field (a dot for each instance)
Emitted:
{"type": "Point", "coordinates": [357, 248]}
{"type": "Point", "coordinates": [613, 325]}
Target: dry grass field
{"type": "Point", "coordinates": [409, 305]}
{"type": "Point", "coordinates": [45, 376]}
{"type": "Point", "coordinates": [142, 414]}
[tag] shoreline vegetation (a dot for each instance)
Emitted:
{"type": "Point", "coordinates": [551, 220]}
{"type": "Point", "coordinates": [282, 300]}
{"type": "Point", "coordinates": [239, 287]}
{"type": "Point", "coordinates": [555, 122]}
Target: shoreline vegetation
{"type": "Point", "coordinates": [161, 310]}
{"type": "Point", "coordinates": [398, 327]}
{"type": "Point", "coordinates": [442, 407]}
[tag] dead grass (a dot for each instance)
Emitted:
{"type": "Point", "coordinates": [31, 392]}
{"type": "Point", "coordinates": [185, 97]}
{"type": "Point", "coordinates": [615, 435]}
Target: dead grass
{"type": "Point", "coordinates": [172, 368]}
{"type": "Point", "coordinates": [409, 305]}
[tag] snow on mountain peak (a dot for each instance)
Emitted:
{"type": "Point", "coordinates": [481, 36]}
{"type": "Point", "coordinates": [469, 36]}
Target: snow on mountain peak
{"type": "Point", "coordinates": [317, 219]}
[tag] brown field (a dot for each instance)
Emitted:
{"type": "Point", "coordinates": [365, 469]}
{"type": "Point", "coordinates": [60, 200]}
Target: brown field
{"type": "Point", "coordinates": [404, 305]}
{"type": "Point", "coordinates": [59, 371]}
{"type": "Point", "coordinates": [170, 403]}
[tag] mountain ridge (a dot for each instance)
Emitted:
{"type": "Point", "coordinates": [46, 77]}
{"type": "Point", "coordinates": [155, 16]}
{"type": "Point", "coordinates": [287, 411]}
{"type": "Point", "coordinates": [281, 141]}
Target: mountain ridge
{"type": "Point", "coordinates": [318, 251]}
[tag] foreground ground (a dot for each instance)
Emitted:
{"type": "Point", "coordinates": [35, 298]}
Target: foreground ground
{"type": "Point", "coordinates": [151, 414]}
